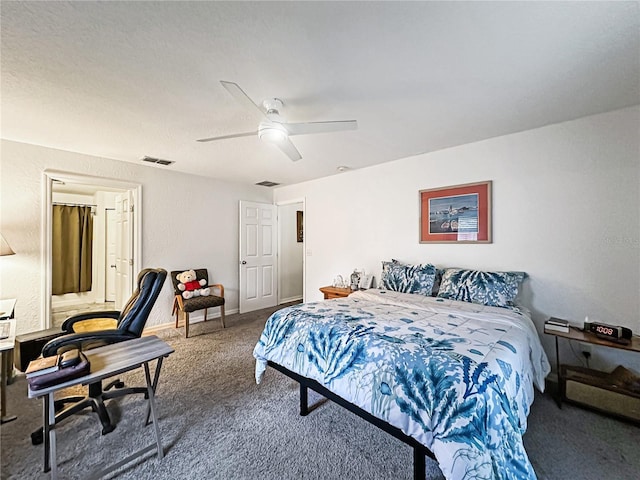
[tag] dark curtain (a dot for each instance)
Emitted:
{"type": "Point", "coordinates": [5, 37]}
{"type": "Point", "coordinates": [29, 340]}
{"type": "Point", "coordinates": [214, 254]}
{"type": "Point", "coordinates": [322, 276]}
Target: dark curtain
{"type": "Point", "coordinates": [72, 249]}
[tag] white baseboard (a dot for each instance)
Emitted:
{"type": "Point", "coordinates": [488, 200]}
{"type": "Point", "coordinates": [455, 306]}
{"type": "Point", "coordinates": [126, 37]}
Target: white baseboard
{"type": "Point", "coordinates": [290, 299]}
{"type": "Point", "coordinates": [197, 319]}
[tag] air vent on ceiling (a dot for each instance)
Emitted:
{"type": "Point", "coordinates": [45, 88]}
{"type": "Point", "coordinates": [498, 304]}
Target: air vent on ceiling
{"type": "Point", "coordinates": [267, 183]}
{"type": "Point", "coordinates": [157, 160]}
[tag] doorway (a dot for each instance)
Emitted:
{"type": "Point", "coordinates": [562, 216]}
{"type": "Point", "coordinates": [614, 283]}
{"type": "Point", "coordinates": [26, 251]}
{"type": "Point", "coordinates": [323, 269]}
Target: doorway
{"type": "Point", "coordinates": [272, 260]}
{"type": "Point", "coordinates": [291, 251]}
{"type": "Point", "coordinates": [116, 252]}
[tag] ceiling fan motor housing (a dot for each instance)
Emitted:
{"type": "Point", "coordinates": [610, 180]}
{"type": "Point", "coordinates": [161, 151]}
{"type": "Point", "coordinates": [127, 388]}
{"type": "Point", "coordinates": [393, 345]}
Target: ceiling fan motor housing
{"type": "Point", "coordinates": [272, 132]}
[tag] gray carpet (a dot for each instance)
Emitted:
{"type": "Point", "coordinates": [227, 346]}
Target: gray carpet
{"type": "Point", "coordinates": [217, 423]}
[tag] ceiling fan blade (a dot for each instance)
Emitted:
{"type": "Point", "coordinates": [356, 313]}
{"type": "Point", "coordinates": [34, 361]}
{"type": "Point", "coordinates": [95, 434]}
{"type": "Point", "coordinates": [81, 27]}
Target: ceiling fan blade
{"type": "Point", "coordinates": [289, 149]}
{"type": "Point", "coordinates": [320, 127]}
{"type": "Point", "coordinates": [234, 135]}
{"type": "Point", "coordinates": [237, 93]}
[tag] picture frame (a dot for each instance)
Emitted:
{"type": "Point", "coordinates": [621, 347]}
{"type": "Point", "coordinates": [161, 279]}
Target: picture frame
{"type": "Point", "coordinates": [456, 214]}
{"type": "Point", "coordinates": [299, 227]}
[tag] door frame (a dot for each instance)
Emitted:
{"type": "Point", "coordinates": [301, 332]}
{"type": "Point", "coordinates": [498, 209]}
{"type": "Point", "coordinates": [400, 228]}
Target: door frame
{"type": "Point", "coordinates": [108, 229]}
{"type": "Point", "coordinates": [304, 243]}
{"type": "Point", "coordinates": [48, 176]}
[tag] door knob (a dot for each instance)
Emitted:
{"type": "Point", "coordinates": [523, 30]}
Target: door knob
{"type": "Point", "coordinates": [244, 262]}
{"type": "Point", "coordinates": [112, 266]}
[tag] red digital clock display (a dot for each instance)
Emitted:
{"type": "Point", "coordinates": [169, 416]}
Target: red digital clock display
{"type": "Point", "coordinates": [604, 330]}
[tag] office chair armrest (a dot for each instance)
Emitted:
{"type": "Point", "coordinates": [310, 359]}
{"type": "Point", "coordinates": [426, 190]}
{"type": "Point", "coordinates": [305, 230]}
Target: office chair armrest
{"type": "Point", "coordinates": [84, 340]}
{"type": "Point", "coordinates": [67, 326]}
{"type": "Point", "coordinates": [218, 286]}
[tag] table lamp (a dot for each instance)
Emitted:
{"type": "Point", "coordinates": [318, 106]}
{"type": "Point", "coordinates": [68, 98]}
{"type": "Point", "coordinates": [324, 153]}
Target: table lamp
{"type": "Point", "coordinates": [5, 249]}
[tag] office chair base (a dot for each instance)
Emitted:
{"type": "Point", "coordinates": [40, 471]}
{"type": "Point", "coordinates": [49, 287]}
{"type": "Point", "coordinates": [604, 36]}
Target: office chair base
{"type": "Point", "coordinates": [37, 437]}
{"type": "Point", "coordinates": [95, 400]}
{"type": "Point", "coordinates": [96, 404]}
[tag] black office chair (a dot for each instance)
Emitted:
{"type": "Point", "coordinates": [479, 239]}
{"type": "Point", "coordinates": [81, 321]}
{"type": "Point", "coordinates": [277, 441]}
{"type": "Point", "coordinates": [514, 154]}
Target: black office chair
{"type": "Point", "coordinates": [129, 325]}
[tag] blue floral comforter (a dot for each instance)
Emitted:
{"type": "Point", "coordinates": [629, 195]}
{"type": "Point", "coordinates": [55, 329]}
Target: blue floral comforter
{"type": "Point", "coordinates": [456, 376]}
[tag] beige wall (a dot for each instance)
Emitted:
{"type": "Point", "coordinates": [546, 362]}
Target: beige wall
{"type": "Point", "coordinates": [566, 209]}
{"type": "Point", "coordinates": [189, 221]}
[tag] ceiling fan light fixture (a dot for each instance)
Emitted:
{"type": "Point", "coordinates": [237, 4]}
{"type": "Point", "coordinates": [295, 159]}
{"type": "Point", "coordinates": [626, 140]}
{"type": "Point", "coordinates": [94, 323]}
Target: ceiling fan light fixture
{"type": "Point", "coordinates": [272, 133]}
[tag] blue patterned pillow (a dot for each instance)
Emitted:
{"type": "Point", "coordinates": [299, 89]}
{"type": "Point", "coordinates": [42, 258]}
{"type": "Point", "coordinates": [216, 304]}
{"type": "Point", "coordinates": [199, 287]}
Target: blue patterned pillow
{"type": "Point", "coordinates": [496, 289]}
{"type": "Point", "coordinates": [408, 278]}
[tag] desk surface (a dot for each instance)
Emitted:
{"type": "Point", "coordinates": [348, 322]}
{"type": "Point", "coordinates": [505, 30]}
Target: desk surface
{"type": "Point", "coordinates": [113, 360]}
{"type": "Point", "coordinates": [9, 342]}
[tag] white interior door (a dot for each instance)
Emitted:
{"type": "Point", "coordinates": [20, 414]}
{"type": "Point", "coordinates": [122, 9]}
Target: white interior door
{"type": "Point", "coordinates": [124, 249]}
{"type": "Point", "coordinates": [110, 256]}
{"type": "Point", "coordinates": [258, 259]}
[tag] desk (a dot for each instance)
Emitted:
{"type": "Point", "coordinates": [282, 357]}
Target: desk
{"type": "Point", "coordinates": [106, 362]}
{"type": "Point", "coordinates": [6, 347]}
{"type": "Point", "coordinates": [7, 309]}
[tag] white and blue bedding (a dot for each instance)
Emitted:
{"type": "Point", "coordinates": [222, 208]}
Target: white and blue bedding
{"type": "Point", "coordinates": [456, 376]}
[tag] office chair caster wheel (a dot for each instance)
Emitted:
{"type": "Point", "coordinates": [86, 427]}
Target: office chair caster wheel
{"type": "Point", "coordinates": [108, 429]}
{"type": "Point", "coordinates": [37, 437]}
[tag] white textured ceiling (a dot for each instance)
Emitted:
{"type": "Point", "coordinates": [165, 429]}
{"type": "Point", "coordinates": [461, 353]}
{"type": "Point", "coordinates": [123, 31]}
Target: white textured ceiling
{"type": "Point", "coordinates": [127, 79]}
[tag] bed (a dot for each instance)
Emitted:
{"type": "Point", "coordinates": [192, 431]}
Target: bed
{"type": "Point", "coordinates": [452, 378]}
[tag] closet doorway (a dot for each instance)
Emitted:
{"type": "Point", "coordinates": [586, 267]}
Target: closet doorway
{"type": "Point", "coordinates": [92, 250]}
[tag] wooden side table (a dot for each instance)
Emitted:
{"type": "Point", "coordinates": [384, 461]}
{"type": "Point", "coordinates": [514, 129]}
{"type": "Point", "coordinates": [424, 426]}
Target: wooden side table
{"type": "Point", "coordinates": [335, 292]}
{"type": "Point", "coordinates": [585, 379]}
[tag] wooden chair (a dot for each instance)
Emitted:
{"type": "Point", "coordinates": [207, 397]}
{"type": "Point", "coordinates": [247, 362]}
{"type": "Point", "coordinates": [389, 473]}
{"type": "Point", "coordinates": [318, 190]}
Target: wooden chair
{"type": "Point", "coordinates": [186, 306]}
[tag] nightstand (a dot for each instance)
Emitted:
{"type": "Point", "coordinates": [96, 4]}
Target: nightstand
{"type": "Point", "coordinates": [335, 292]}
{"type": "Point", "coordinates": [594, 389]}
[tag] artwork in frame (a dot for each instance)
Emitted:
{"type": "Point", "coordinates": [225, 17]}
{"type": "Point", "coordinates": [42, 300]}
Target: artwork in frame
{"type": "Point", "coordinates": [299, 228]}
{"type": "Point", "coordinates": [456, 214]}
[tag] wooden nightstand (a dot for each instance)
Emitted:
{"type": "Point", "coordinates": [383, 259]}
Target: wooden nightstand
{"type": "Point", "coordinates": [335, 292]}
{"type": "Point", "coordinates": [594, 389]}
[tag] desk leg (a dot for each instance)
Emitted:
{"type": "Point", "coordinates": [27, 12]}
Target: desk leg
{"type": "Point", "coordinates": [156, 376]}
{"type": "Point", "coordinates": [49, 431]}
{"type": "Point", "coordinates": [4, 365]}
{"type": "Point", "coordinates": [152, 406]}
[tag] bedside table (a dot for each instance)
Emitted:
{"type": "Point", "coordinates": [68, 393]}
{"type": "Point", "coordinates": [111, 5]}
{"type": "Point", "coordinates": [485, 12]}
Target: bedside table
{"type": "Point", "coordinates": [594, 389]}
{"type": "Point", "coordinates": [335, 292]}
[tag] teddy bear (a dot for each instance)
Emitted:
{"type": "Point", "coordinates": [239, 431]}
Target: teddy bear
{"type": "Point", "coordinates": [190, 286]}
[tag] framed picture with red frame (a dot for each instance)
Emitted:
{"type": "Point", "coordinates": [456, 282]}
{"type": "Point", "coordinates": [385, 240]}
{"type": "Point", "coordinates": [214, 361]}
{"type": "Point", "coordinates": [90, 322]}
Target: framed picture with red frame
{"type": "Point", "coordinates": [456, 214]}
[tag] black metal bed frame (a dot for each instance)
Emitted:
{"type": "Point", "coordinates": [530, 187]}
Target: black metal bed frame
{"type": "Point", "coordinates": [419, 450]}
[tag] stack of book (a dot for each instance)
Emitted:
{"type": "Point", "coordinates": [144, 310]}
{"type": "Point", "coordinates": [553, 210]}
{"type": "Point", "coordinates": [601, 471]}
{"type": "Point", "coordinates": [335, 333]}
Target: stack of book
{"type": "Point", "coordinates": [556, 325]}
{"type": "Point", "coordinates": [42, 366]}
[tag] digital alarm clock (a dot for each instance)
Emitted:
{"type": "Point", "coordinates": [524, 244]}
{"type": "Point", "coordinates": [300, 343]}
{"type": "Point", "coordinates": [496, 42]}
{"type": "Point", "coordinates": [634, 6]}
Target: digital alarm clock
{"type": "Point", "coordinates": [609, 332]}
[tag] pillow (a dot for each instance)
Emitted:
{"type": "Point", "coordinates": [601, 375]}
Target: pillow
{"type": "Point", "coordinates": [408, 278]}
{"type": "Point", "coordinates": [436, 281]}
{"type": "Point", "coordinates": [495, 289]}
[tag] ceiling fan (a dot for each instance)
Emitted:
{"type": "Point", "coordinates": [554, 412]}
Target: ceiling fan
{"type": "Point", "coordinates": [274, 129]}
